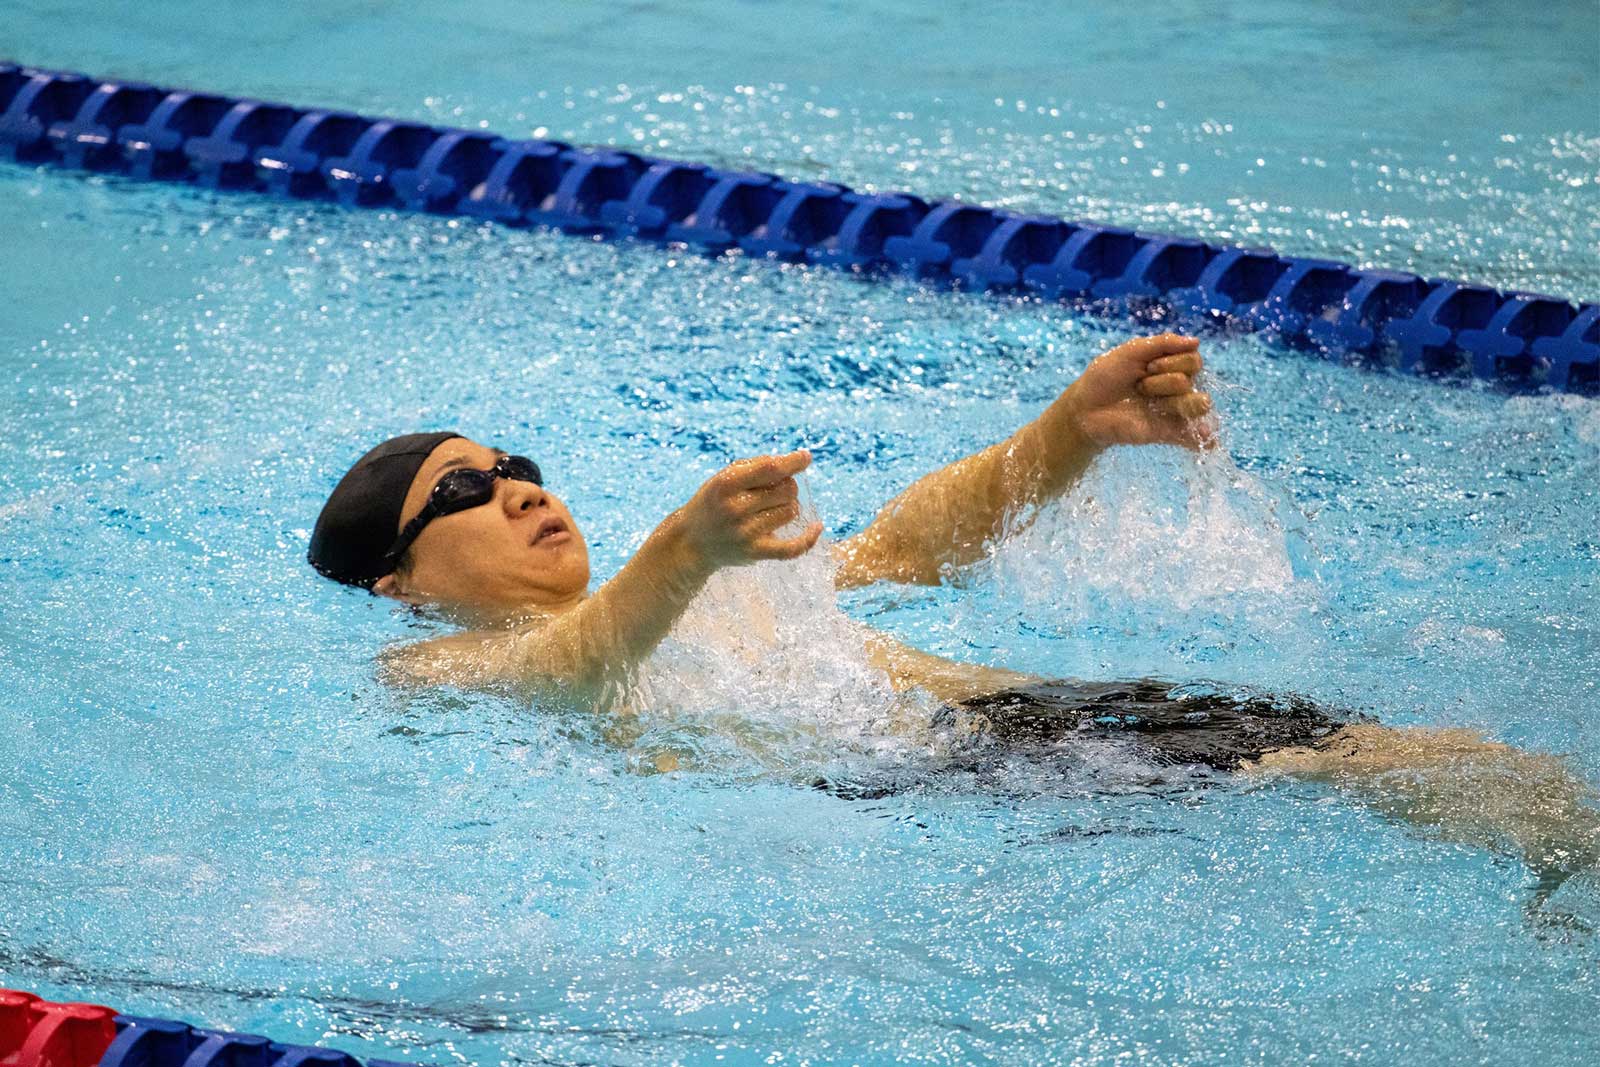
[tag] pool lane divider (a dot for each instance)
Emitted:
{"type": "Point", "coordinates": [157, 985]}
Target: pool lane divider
{"type": "Point", "coordinates": [40, 1033]}
{"type": "Point", "coordinates": [1432, 326]}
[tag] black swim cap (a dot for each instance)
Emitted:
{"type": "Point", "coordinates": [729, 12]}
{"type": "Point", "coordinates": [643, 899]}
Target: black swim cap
{"type": "Point", "coordinates": [362, 517]}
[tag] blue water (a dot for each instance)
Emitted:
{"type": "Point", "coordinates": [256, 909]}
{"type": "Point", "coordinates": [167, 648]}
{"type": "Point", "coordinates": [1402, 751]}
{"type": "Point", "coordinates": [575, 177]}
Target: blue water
{"type": "Point", "coordinates": [213, 810]}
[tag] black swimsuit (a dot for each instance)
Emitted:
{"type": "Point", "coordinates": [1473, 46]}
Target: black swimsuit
{"type": "Point", "coordinates": [1204, 725]}
{"type": "Point", "coordinates": [1208, 725]}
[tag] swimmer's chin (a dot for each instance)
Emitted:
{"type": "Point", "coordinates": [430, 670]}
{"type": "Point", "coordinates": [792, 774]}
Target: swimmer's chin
{"type": "Point", "coordinates": [486, 619]}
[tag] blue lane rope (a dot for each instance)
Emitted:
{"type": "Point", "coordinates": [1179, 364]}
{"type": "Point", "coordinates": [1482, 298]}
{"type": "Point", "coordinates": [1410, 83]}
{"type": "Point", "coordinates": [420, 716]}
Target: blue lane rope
{"type": "Point", "coordinates": [142, 1042]}
{"type": "Point", "coordinates": [41, 1033]}
{"type": "Point", "coordinates": [1417, 325]}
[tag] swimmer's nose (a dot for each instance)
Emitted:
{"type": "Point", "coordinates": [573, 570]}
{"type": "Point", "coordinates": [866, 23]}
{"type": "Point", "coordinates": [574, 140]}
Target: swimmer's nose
{"type": "Point", "coordinates": [520, 497]}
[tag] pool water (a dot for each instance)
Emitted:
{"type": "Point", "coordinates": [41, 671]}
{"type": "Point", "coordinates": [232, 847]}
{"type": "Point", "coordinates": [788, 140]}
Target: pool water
{"type": "Point", "coordinates": [215, 811]}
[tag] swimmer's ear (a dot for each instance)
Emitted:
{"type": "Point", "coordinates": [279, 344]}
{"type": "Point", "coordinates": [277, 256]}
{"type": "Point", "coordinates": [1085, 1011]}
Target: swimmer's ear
{"type": "Point", "coordinates": [390, 586]}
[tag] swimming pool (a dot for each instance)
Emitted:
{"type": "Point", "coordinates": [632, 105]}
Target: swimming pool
{"type": "Point", "coordinates": [224, 817]}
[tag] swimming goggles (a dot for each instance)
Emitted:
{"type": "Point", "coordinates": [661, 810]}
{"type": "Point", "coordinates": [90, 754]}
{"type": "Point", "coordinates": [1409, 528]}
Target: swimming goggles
{"type": "Point", "coordinates": [459, 490]}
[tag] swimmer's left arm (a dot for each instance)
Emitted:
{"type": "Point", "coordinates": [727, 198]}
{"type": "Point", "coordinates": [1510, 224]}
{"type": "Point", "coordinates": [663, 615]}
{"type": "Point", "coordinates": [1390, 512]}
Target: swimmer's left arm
{"type": "Point", "coordinates": [1141, 392]}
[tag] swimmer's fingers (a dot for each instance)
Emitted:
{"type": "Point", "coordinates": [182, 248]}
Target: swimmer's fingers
{"type": "Point", "coordinates": [1114, 376]}
{"type": "Point", "coordinates": [1166, 385]}
{"type": "Point", "coordinates": [769, 519]}
{"type": "Point", "coordinates": [1188, 363]}
{"type": "Point", "coordinates": [1136, 355]}
{"type": "Point", "coordinates": [735, 516]}
{"type": "Point", "coordinates": [1188, 406]}
{"type": "Point", "coordinates": [751, 501]}
{"type": "Point", "coordinates": [787, 547]}
{"type": "Point", "coordinates": [1188, 419]}
{"type": "Point", "coordinates": [766, 470]}
{"type": "Point", "coordinates": [1157, 345]}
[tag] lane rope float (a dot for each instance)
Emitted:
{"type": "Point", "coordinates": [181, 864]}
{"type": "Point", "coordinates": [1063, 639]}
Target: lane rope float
{"type": "Point", "coordinates": [40, 1033]}
{"type": "Point", "coordinates": [1394, 319]}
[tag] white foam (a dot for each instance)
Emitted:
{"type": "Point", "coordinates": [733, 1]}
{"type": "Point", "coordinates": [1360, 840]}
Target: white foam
{"type": "Point", "coordinates": [1153, 527]}
{"type": "Point", "coordinates": [771, 641]}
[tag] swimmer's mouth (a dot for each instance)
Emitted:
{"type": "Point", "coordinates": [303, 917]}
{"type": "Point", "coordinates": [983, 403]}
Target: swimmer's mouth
{"type": "Point", "coordinates": [550, 531]}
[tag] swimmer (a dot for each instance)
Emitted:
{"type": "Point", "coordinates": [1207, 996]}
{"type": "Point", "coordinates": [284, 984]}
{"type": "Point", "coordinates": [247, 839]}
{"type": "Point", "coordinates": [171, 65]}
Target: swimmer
{"type": "Point", "coordinates": [436, 519]}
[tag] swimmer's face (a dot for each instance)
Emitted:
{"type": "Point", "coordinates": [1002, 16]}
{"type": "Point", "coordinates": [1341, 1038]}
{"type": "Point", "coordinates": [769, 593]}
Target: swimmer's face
{"type": "Point", "coordinates": [520, 550]}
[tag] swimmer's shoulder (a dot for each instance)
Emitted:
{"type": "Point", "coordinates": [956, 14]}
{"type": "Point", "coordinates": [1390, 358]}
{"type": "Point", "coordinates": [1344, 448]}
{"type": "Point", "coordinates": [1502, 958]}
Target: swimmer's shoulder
{"type": "Point", "coordinates": [475, 659]}
{"type": "Point", "coordinates": [436, 661]}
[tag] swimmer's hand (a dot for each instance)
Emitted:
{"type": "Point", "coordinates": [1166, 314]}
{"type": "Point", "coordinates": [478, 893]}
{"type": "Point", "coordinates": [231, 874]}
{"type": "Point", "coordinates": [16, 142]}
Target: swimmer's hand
{"type": "Point", "coordinates": [734, 518]}
{"type": "Point", "coordinates": [1139, 393]}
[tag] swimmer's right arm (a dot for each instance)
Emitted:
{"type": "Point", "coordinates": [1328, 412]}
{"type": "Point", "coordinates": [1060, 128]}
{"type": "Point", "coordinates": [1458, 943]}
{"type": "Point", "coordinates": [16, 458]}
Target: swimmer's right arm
{"type": "Point", "coordinates": [1140, 392]}
{"type": "Point", "coordinates": [731, 520]}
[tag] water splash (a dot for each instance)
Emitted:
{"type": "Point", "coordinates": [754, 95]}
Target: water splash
{"type": "Point", "coordinates": [770, 642]}
{"type": "Point", "coordinates": [1157, 529]}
